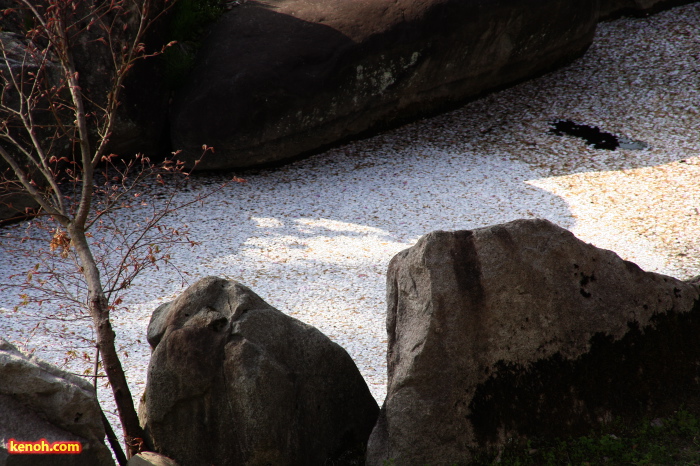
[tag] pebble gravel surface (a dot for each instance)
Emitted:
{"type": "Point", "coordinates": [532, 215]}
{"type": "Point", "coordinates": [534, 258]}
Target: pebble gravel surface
{"type": "Point", "coordinates": [314, 238]}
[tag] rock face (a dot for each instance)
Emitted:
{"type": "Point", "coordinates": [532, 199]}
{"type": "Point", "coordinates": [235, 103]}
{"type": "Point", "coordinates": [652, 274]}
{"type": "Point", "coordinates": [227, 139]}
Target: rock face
{"type": "Point", "coordinates": [149, 458]}
{"type": "Point", "coordinates": [141, 122]}
{"type": "Point", "coordinates": [234, 381]}
{"type": "Point", "coordinates": [39, 401]}
{"type": "Point", "coordinates": [276, 79]}
{"type": "Point", "coordinates": [614, 8]}
{"type": "Point", "coordinates": [13, 206]}
{"type": "Point", "coordinates": [522, 330]}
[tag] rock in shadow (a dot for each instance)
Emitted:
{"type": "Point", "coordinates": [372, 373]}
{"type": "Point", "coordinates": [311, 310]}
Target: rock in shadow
{"type": "Point", "coordinates": [39, 401]}
{"type": "Point", "coordinates": [275, 80]}
{"type": "Point", "coordinates": [234, 381]}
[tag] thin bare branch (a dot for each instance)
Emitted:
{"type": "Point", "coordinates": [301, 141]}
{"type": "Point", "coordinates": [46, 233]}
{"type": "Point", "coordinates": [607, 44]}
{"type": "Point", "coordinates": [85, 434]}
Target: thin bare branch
{"type": "Point", "coordinates": [31, 189]}
{"type": "Point", "coordinates": [88, 258]}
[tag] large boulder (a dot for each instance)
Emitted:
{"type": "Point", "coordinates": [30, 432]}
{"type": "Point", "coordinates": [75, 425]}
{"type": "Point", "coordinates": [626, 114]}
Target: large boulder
{"type": "Point", "coordinates": [234, 381]}
{"type": "Point", "coordinates": [521, 330]}
{"type": "Point", "coordinates": [276, 79]}
{"type": "Point", "coordinates": [40, 401]}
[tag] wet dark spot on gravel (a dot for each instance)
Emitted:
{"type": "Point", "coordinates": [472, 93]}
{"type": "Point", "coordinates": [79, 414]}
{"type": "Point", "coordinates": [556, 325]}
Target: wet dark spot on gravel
{"type": "Point", "coordinates": [594, 136]}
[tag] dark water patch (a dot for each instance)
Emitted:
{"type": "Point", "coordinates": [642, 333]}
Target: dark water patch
{"type": "Point", "coordinates": [594, 136]}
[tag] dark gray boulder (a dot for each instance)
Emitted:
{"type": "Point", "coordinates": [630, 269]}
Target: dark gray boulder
{"type": "Point", "coordinates": [140, 121]}
{"type": "Point", "coordinates": [276, 79]}
{"type": "Point", "coordinates": [141, 124]}
{"type": "Point", "coordinates": [521, 330]}
{"type": "Point", "coordinates": [149, 458]}
{"type": "Point", "coordinates": [615, 8]}
{"type": "Point", "coordinates": [234, 381]}
{"type": "Point", "coordinates": [14, 202]}
{"type": "Point", "coordinates": [40, 401]}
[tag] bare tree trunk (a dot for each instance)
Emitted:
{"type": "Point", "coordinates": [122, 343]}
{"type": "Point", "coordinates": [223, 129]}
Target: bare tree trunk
{"type": "Point", "coordinates": [113, 441]}
{"type": "Point", "coordinates": [29, 92]}
{"type": "Point", "coordinates": [111, 436]}
{"type": "Point", "coordinates": [99, 312]}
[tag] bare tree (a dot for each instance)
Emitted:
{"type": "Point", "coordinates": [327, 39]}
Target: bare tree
{"type": "Point", "coordinates": [54, 135]}
{"type": "Point", "coordinates": [126, 234]}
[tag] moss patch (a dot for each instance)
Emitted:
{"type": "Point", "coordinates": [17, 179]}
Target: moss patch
{"type": "Point", "coordinates": [647, 373]}
{"type": "Point", "coordinates": [670, 441]}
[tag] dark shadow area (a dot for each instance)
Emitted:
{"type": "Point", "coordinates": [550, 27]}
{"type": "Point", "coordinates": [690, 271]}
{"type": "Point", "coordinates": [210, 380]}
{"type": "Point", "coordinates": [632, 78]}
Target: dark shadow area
{"type": "Point", "coordinates": [650, 372]}
{"type": "Point", "coordinates": [594, 136]}
{"type": "Point", "coordinates": [591, 134]}
{"type": "Point", "coordinates": [630, 8]}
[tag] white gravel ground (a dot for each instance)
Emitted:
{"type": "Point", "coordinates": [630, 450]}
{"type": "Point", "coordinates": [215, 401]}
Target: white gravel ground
{"type": "Point", "coordinates": [314, 238]}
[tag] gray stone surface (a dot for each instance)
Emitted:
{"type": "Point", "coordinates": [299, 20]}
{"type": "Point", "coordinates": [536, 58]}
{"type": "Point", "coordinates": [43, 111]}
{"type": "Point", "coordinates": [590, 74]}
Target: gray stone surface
{"type": "Point", "coordinates": [234, 381]}
{"type": "Point", "coordinates": [39, 401]}
{"type": "Point", "coordinates": [149, 458]}
{"type": "Point", "coordinates": [276, 79]}
{"type": "Point", "coordinates": [157, 324]}
{"type": "Point", "coordinates": [521, 330]}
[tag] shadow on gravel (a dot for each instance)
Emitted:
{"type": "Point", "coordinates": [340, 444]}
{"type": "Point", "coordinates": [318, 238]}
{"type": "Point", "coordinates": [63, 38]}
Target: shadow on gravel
{"type": "Point", "coordinates": [594, 136]}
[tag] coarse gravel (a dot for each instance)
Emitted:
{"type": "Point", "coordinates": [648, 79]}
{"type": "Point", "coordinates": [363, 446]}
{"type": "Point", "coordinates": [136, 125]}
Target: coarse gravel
{"type": "Point", "coordinates": [313, 238]}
